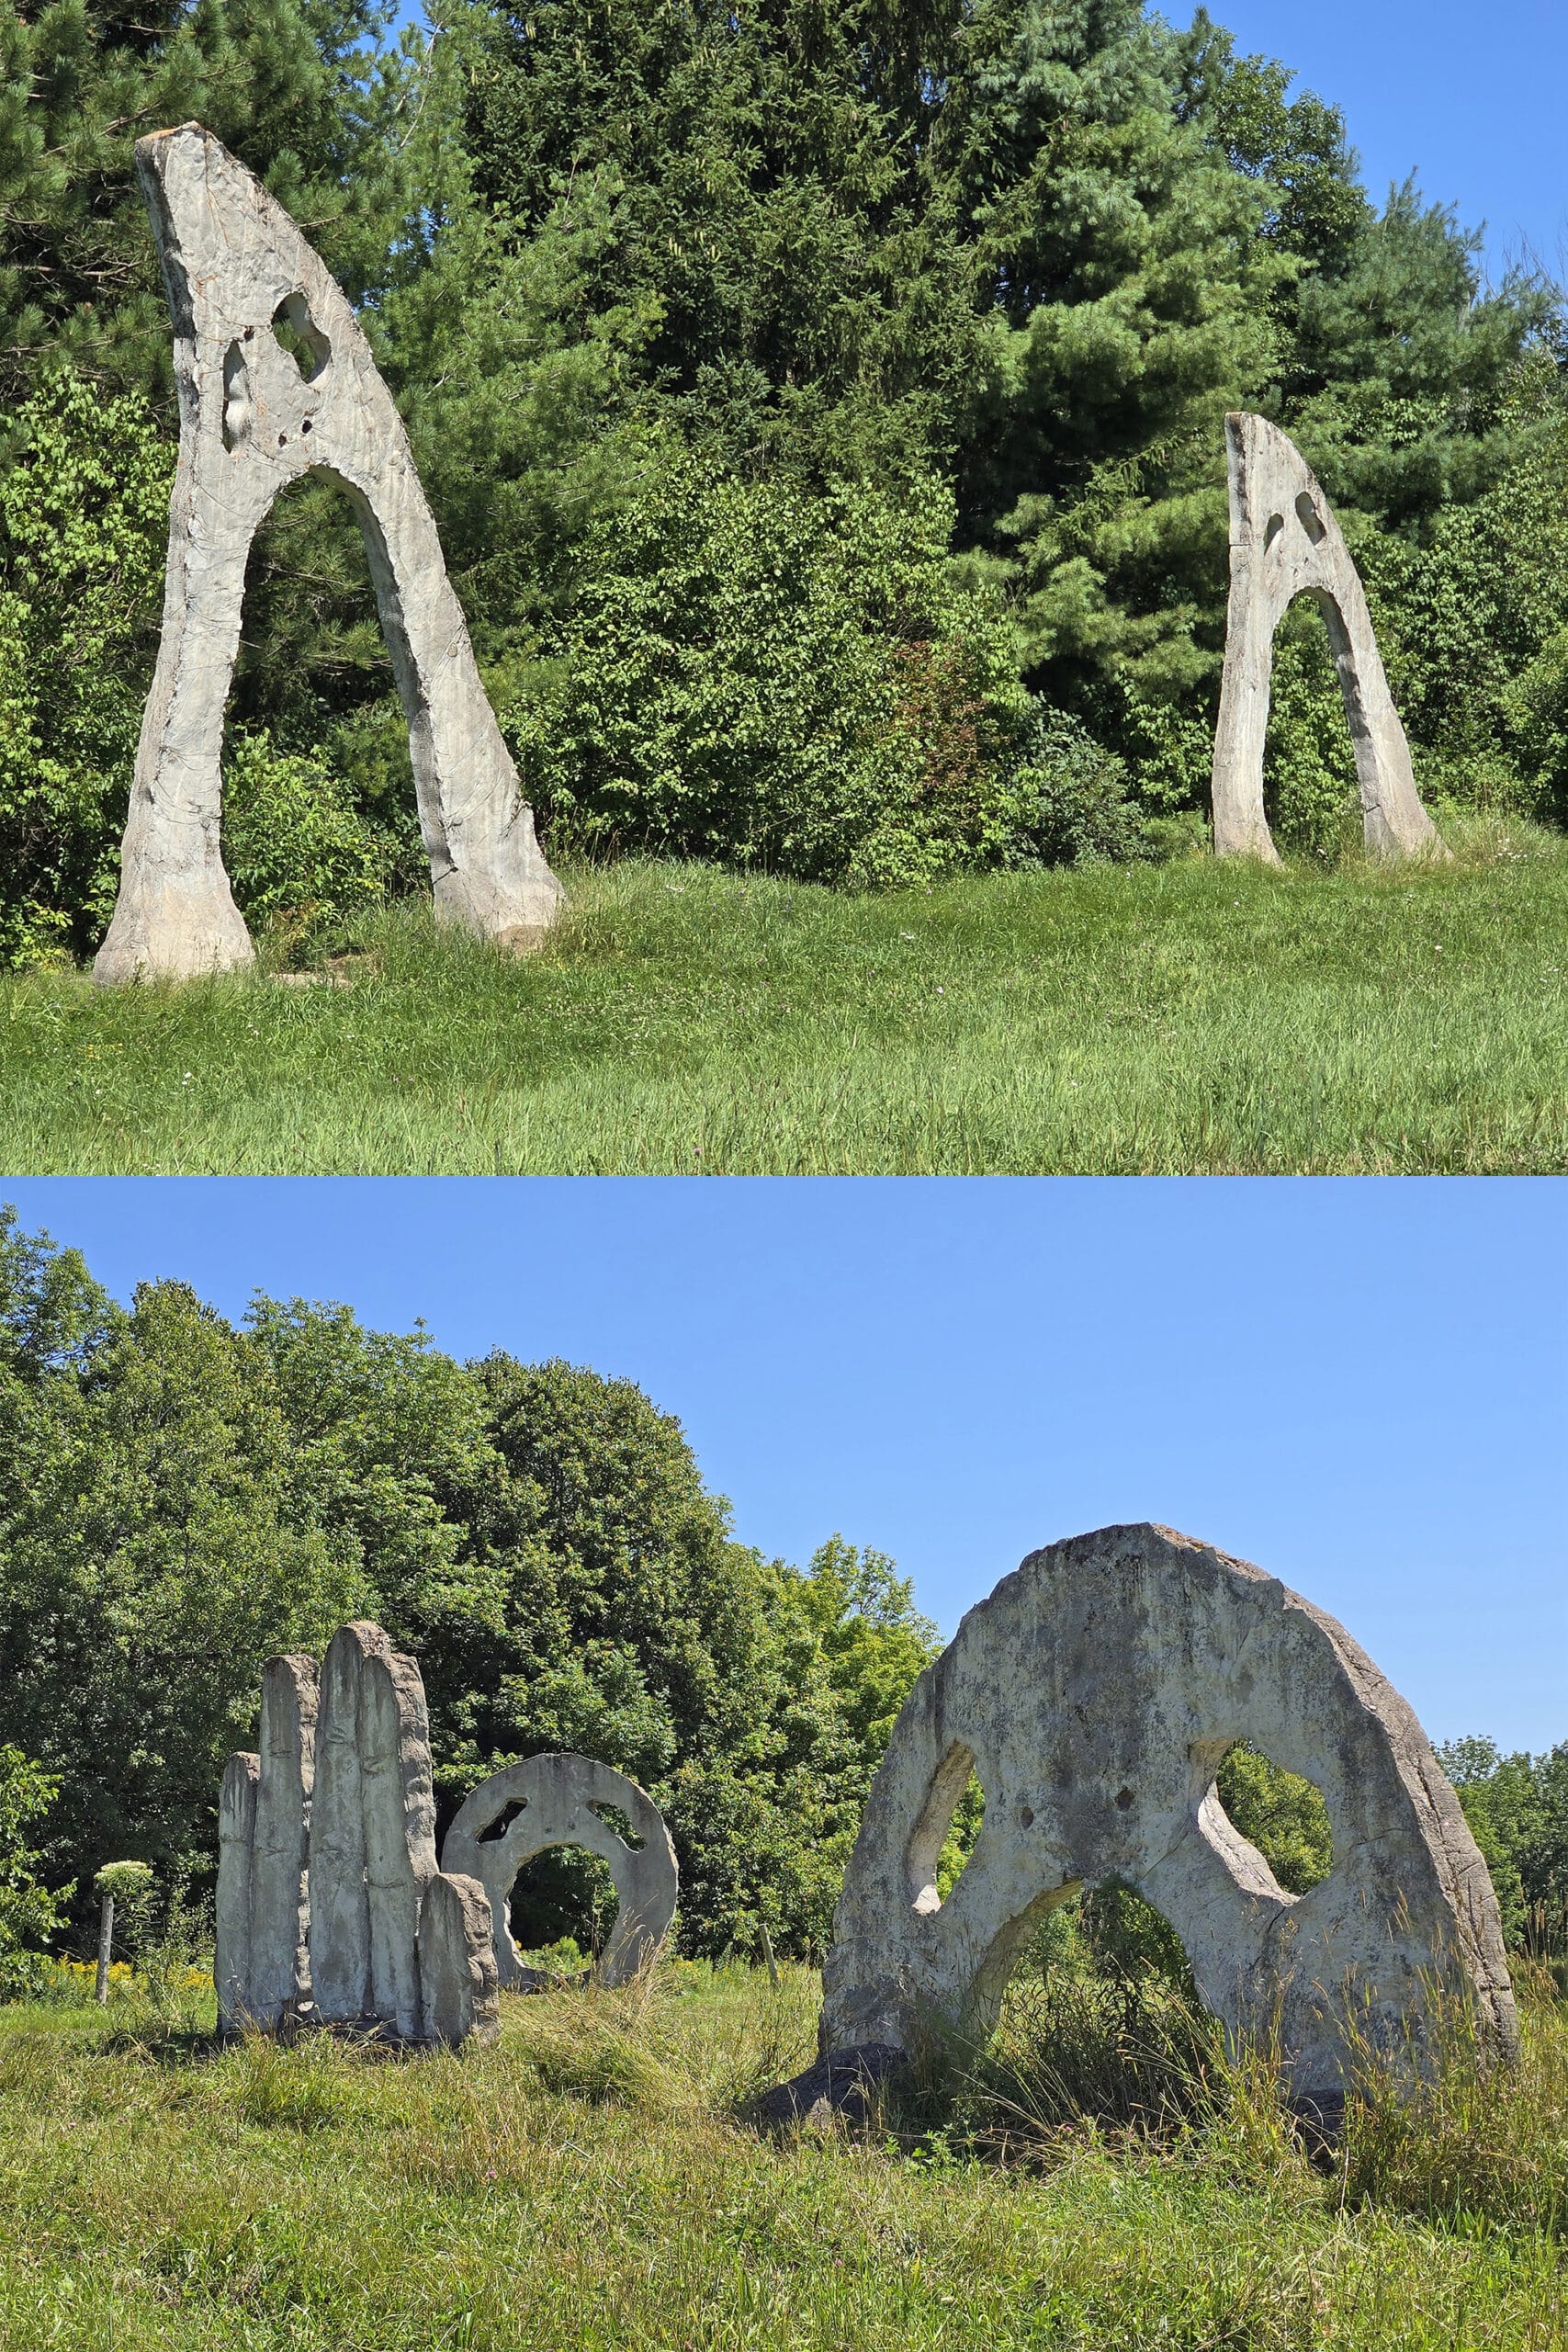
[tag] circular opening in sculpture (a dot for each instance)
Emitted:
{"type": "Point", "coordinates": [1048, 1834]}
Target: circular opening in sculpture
{"type": "Point", "coordinates": [1278, 1815]}
{"type": "Point", "coordinates": [562, 1909]}
{"type": "Point", "coordinates": [947, 1831]}
{"type": "Point", "coordinates": [1309, 520]}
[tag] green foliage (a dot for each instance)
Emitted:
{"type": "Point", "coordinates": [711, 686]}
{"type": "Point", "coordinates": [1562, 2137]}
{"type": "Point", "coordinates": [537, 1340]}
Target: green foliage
{"type": "Point", "coordinates": [293, 841]}
{"type": "Point", "coordinates": [1280, 1814]}
{"type": "Point", "coordinates": [1517, 1810]}
{"type": "Point", "coordinates": [796, 680]}
{"type": "Point", "coordinates": [83, 516]}
{"type": "Point", "coordinates": [295, 87]}
{"type": "Point", "coordinates": [30, 1914]}
{"type": "Point", "coordinates": [720, 333]}
{"type": "Point", "coordinates": [123, 1881]}
{"type": "Point", "coordinates": [182, 1498]}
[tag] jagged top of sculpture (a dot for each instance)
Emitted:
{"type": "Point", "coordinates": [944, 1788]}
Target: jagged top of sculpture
{"type": "Point", "coordinates": [1092, 1553]}
{"type": "Point", "coordinates": [210, 212]}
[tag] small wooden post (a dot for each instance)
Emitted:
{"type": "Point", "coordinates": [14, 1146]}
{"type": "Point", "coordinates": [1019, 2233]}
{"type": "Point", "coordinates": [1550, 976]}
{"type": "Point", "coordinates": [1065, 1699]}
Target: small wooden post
{"type": "Point", "coordinates": [768, 1951]}
{"type": "Point", "coordinates": [106, 1939]}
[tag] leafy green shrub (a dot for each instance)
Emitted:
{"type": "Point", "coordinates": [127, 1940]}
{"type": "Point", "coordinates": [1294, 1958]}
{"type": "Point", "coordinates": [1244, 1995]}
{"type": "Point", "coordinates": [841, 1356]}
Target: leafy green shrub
{"type": "Point", "coordinates": [766, 677]}
{"type": "Point", "coordinates": [293, 841]}
{"type": "Point", "coordinates": [29, 1915]}
{"type": "Point", "coordinates": [83, 520]}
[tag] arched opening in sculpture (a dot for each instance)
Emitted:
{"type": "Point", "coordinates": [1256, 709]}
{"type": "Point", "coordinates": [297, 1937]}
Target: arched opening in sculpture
{"type": "Point", "coordinates": [1312, 800]}
{"type": "Point", "coordinates": [313, 839]}
{"type": "Point", "coordinates": [1281, 1815]}
{"type": "Point", "coordinates": [945, 1833]}
{"type": "Point", "coordinates": [561, 1896]}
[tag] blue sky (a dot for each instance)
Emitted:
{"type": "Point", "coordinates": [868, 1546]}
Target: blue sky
{"type": "Point", "coordinates": [1360, 1384]}
{"type": "Point", "coordinates": [1470, 99]}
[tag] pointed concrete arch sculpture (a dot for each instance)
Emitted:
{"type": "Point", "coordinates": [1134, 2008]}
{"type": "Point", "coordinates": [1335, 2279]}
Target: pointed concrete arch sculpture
{"type": "Point", "coordinates": [1285, 543]}
{"type": "Point", "coordinates": [256, 413]}
{"type": "Point", "coordinates": [1095, 1693]}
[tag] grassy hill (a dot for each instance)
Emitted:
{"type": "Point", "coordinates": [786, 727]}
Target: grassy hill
{"type": "Point", "coordinates": [1188, 1017]}
{"type": "Point", "coordinates": [590, 2183]}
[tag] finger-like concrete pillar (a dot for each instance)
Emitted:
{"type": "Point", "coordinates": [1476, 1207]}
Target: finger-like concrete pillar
{"type": "Point", "coordinates": [340, 1897]}
{"type": "Point", "coordinates": [253, 415]}
{"type": "Point", "coordinates": [1095, 1694]}
{"type": "Point", "coordinates": [236, 1838]}
{"type": "Point", "coordinates": [560, 1801]}
{"type": "Point", "coordinates": [329, 1906]}
{"type": "Point", "coordinates": [281, 1902]}
{"type": "Point", "coordinates": [400, 1830]}
{"type": "Point", "coordinates": [1285, 543]}
{"type": "Point", "coordinates": [456, 1962]}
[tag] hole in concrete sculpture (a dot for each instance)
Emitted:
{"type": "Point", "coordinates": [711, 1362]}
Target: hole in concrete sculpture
{"type": "Point", "coordinates": [239, 414]}
{"type": "Point", "coordinates": [945, 1833]}
{"type": "Point", "coordinates": [613, 1819]}
{"type": "Point", "coordinates": [1310, 520]}
{"type": "Point", "coordinates": [563, 1896]}
{"type": "Point", "coordinates": [1311, 793]}
{"type": "Point", "coordinates": [308, 613]}
{"type": "Point", "coordinates": [1100, 2018]}
{"type": "Point", "coordinates": [1280, 1815]}
{"type": "Point", "coordinates": [1275, 525]}
{"type": "Point", "coordinates": [297, 334]}
{"type": "Point", "coordinates": [503, 1822]}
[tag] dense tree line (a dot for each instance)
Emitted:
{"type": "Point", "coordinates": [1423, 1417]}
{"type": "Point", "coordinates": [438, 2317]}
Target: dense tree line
{"type": "Point", "coordinates": [180, 1497]}
{"type": "Point", "coordinates": [822, 410]}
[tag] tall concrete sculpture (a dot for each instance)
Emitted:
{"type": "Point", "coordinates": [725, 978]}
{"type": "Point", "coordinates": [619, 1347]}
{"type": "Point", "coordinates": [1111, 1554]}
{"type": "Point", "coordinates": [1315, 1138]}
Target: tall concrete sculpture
{"type": "Point", "coordinates": [1285, 543]}
{"type": "Point", "coordinates": [1095, 1693]}
{"type": "Point", "coordinates": [236, 1841]}
{"type": "Point", "coordinates": [330, 1905]}
{"type": "Point", "coordinates": [256, 413]}
{"type": "Point", "coordinates": [560, 1801]}
{"type": "Point", "coordinates": [279, 1910]}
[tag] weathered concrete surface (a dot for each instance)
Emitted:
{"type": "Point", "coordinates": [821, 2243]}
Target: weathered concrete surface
{"type": "Point", "coordinates": [236, 1836]}
{"type": "Point", "coordinates": [340, 1898]}
{"type": "Point", "coordinates": [457, 1980]}
{"type": "Point", "coordinates": [558, 1794]}
{"type": "Point", "coordinates": [1095, 1692]}
{"type": "Point", "coordinates": [280, 1904]}
{"type": "Point", "coordinates": [253, 419]}
{"type": "Point", "coordinates": [399, 1829]}
{"type": "Point", "coordinates": [1285, 543]}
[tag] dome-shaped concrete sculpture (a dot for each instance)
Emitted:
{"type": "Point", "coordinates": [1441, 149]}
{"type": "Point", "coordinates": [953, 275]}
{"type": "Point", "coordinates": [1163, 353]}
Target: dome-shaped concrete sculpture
{"type": "Point", "coordinates": [1095, 1694]}
{"type": "Point", "coordinates": [562, 1800]}
{"type": "Point", "coordinates": [275, 378]}
{"type": "Point", "coordinates": [1285, 543]}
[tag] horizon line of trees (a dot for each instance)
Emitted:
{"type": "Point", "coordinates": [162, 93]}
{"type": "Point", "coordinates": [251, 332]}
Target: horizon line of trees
{"type": "Point", "coordinates": [822, 412]}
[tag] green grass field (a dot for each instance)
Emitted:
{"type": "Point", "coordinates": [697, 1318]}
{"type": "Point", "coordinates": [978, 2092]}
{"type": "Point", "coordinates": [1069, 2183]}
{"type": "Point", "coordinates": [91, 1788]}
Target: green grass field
{"type": "Point", "coordinates": [1190, 1017]}
{"type": "Point", "coordinates": [590, 2183]}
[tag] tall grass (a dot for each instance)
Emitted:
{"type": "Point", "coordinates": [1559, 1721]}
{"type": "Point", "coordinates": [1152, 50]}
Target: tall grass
{"type": "Point", "coordinates": [1121, 1020]}
{"type": "Point", "coordinates": [591, 2182]}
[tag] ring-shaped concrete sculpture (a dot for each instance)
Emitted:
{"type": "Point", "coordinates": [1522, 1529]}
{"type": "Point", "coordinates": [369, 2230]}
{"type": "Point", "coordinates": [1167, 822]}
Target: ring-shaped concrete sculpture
{"type": "Point", "coordinates": [1095, 1693]}
{"type": "Point", "coordinates": [562, 1800]}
